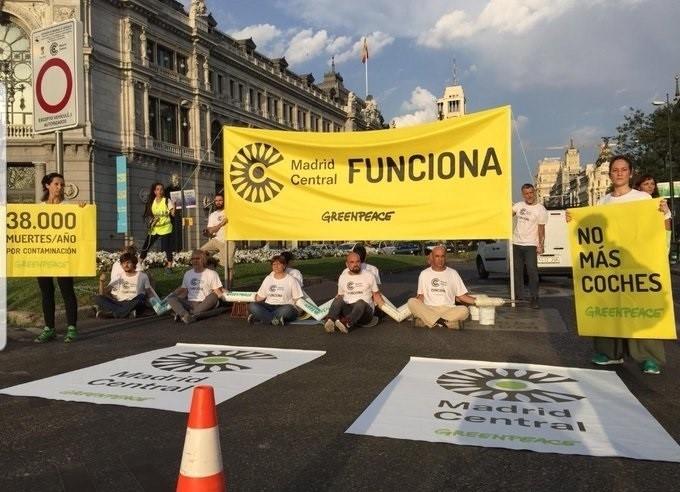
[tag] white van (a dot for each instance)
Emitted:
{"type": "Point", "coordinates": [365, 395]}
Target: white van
{"type": "Point", "coordinates": [492, 255]}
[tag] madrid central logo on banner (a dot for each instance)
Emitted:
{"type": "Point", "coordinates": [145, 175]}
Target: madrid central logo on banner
{"type": "Point", "coordinates": [418, 182]}
{"type": "Point", "coordinates": [508, 405]}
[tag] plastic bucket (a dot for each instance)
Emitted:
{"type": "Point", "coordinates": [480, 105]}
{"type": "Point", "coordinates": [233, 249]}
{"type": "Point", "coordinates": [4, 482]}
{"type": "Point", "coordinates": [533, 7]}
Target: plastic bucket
{"type": "Point", "coordinates": [487, 315]}
{"type": "Point", "coordinates": [474, 313]}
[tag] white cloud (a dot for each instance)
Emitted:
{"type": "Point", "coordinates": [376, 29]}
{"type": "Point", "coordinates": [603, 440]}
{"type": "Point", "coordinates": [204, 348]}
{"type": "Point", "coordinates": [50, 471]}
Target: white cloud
{"type": "Point", "coordinates": [499, 16]}
{"type": "Point", "coordinates": [376, 43]}
{"type": "Point", "coordinates": [263, 35]}
{"type": "Point", "coordinates": [587, 135]}
{"type": "Point", "coordinates": [423, 107]}
{"type": "Point", "coordinates": [338, 44]}
{"type": "Point", "coordinates": [306, 45]}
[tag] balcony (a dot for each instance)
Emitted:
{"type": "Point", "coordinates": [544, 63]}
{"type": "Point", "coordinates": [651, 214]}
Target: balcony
{"type": "Point", "coordinates": [19, 131]}
{"type": "Point", "coordinates": [174, 149]}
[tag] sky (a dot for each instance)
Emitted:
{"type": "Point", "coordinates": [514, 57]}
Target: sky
{"type": "Point", "coordinates": [569, 68]}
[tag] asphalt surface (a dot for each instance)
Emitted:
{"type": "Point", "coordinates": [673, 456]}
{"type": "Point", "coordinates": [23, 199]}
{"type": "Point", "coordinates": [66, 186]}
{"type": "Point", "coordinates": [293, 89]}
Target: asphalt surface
{"type": "Point", "coordinates": [289, 433]}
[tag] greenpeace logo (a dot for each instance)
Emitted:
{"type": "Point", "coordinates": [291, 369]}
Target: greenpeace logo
{"type": "Point", "coordinates": [357, 216]}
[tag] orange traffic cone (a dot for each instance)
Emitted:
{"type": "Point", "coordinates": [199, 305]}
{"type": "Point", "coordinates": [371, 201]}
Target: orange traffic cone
{"type": "Point", "coordinates": [201, 468]}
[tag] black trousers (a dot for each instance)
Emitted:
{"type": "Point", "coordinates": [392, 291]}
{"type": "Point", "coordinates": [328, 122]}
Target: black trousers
{"type": "Point", "coordinates": [166, 245]}
{"type": "Point", "coordinates": [46, 285]}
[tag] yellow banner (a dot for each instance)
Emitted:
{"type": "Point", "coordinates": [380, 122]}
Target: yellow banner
{"type": "Point", "coordinates": [449, 179]}
{"type": "Point", "coordinates": [622, 284]}
{"type": "Point", "coordinates": [51, 240]}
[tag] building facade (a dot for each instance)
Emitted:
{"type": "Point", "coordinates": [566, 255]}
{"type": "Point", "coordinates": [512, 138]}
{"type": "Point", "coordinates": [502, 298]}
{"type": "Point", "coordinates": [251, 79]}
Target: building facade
{"type": "Point", "coordinates": [160, 83]}
{"type": "Point", "coordinates": [563, 183]}
{"type": "Point", "coordinates": [547, 171]}
{"type": "Point", "coordinates": [452, 103]}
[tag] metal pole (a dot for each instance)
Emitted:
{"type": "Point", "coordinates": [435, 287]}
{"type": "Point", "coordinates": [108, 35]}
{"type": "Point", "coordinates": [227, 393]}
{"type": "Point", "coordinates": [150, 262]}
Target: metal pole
{"type": "Point", "coordinates": [670, 170]}
{"type": "Point", "coordinates": [59, 151]}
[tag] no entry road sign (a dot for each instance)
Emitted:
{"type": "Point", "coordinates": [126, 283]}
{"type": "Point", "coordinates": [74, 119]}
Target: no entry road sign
{"type": "Point", "coordinates": [57, 57]}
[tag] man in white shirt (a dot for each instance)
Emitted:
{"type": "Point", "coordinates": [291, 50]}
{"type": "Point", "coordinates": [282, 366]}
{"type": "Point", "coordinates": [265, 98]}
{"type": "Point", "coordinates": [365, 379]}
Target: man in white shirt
{"type": "Point", "coordinates": [439, 288]}
{"type": "Point", "coordinates": [200, 290]}
{"type": "Point", "coordinates": [217, 231]}
{"type": "Point", "coordinates": [357, 295]}
{"type": "Point", "coordinates": [527, 241]}
{"type": "Point", "coordinates": [127, 292]}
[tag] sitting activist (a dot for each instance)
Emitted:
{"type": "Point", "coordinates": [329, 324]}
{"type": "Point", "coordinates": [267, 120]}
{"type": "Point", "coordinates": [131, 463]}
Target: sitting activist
{"type": "Point", "coordinates": [127, 293]}
{"type": "Point", "coordinates": [357, 295]}
{"type": "Point", "coordinates": [439, 288]}
{"type": "Point", "coordinates": [200, 290]}
{"type": "Point", "coordinates": [276, 296]}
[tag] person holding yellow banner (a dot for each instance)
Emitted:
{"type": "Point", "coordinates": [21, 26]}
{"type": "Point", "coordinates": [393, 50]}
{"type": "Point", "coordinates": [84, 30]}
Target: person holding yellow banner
{"type": "Point", "coordinates": [648, 353]}
{"type": "Point", "coordinates": [53, 194]}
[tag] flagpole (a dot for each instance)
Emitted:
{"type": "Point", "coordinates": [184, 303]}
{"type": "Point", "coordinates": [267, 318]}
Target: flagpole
{"type": "Point", "coordinates": [366, 75]}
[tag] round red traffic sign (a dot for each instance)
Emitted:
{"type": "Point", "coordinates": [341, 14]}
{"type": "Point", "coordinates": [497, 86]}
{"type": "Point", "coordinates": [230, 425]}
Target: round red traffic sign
{"type": "Point", "coordinates": [60, 64]}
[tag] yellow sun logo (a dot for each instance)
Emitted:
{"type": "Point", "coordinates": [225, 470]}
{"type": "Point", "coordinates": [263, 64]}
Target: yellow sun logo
{"type": "Point", "coordinates": [248, 172]}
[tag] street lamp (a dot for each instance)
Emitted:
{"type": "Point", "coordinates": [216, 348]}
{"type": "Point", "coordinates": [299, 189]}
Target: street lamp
{"type": "Point", "coordinates": [669, 155]}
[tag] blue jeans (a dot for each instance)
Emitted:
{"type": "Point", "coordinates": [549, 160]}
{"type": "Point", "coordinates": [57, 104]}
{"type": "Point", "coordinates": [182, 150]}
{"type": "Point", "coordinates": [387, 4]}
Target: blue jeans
{"type": "Point", "coordinates": [267, 312]}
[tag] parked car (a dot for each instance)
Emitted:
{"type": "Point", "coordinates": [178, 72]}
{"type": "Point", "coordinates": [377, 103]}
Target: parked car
{"type": "Point", "coordinates": [492, 255]}
{"type": "Point", "coordinates": [407, 249]}
{"type": "Point", "coordinates": [384, 248]}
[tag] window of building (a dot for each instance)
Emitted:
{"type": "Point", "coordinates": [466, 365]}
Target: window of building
{"type": "Point", "coordinates": [251, 98]}
{"type": "Point", "coordinates": [182, 64]}
{"type": "Point", "coordinates": [167, 113]}
{"type": "Point", "coordinates": [454, 106]}
{"type": "Point", "coordinates": [220, 84]}
{"type": "Point", "coordinates": [211, 80]}
{"type": "Point", "coordinates": [165, 57]}
{"type": "Point", "coordinates": [151, 51]}
{"type": "Point", "coordinates": [240, 92]}
{"type": "Point", "coordinates": [216, 138]}
{"type": "Point", "coordinates": [232, 89]}
{"type": "Point", "coordinates": [153, 117]}
{"type": "Point", "coordinates": [184, 127]}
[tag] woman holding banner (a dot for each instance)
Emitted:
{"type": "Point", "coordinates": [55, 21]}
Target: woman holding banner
{"type": "Point", "coordinates": [53, 194]}
{"type": "Point", "coordinates": [647, 183]}
{"type": "Point", "coordinates": [648, 353]}
{"type": "Point", "coordinates": [158, 215]}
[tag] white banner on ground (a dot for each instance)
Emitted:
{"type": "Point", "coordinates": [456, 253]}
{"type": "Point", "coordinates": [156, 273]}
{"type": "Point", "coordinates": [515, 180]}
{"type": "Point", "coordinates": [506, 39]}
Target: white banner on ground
{"type": "Point", "coordinates": [163, 379]}
{"type": "Point", "coordinates": [235, 296]}
{"type": "Point", "coordinates": [517, 406]}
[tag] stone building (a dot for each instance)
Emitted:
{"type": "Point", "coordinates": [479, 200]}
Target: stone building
{"type": "Point", "coordinates": [546, 174]}
{"type": "Point", "coordinates": [563, 183]}
{"type": "Point", "coordinates": [452, 103]}
{"type": "Point", "coordinates": [159, 84]}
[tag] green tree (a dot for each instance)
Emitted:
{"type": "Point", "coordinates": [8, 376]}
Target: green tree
{"type": "Point", "coordinates": [645, 138]}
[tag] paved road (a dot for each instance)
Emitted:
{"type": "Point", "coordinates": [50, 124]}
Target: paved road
{"type": "Point", "coordinates": [288, 433]}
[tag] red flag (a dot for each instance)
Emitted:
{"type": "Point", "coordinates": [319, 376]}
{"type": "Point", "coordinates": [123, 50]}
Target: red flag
{"type": "Point", "coordinates": [364, 52]}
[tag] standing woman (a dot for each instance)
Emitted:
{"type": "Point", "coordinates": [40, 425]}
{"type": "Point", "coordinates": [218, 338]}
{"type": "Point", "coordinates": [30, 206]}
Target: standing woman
{"type": "Point", "coordinates": [648, 353]}
{"type": "Point", "coordinates": [647, 183]}
{"type": "Point", "coordinates": [158, 215]}
{"type": "Point", "coordinates": [53, 194]}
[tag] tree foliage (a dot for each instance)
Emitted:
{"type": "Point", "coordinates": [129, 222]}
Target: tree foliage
{"type": "Point", "coordinates": [644, 137]}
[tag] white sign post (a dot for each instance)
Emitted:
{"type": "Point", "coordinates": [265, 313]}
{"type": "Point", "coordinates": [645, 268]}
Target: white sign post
{"type": "Point", "coordinates": [57, 58]}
